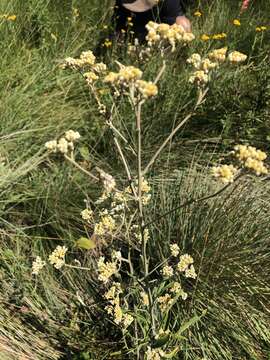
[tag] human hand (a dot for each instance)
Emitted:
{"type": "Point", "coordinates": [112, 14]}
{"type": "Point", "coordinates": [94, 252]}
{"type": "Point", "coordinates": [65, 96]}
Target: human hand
{"type": "Point", "coordinates": [184, 22]}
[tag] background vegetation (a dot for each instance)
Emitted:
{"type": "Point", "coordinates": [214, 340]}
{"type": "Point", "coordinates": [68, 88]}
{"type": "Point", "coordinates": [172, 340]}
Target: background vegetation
{"type": "Point", "coordinates": [60, 317]}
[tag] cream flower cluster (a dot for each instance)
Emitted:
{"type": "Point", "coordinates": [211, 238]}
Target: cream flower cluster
{"type": "Point", "coordinates": [174, 250]}
{"type": "Point", "coordinates": [236, 57]}
{"type": "Point", "coordinates": [145, 188]}
{"type": "Point", "coordinates": [244, 152]}
{"type": "Point", "coordinates": [138, 235]}
{"type": "Point", "coordinates": [165, 301]}
{"type": "Point", "coordinates": [86, 62]}
{"type": "Point", "coordinates": [251, 158]}
{"type": "Point", "coordinates": [106, 225]}
{"type": "Point", "coordinates": [218, 55]}
{"type": "Point", "coordinates": [114, 309]}
{"type": "Point", "coordinates": [57, 257]}
{"type": "Point", "coordinates": [154, 354]}
{"type": "Point", "coordinates": [37, 265]}
{"type": "Point", "coordinates": [184, 265]}
{"type": "Point", "coordinates": [108, 181]}
{"type": "Point", "coordinates": [225, 173]}
{"type": "Point", "coordinates": [145, 298]}
{"type": "Point", "coordinates": [146, 88]}
{"type": "Point", "coordinates": [167, 271]}
{"type": "Point", "coordinates": [107, 269]}
{"type": "Point", "coordinates": [176, 289]}
{"type": "Point", "coordinates": [168, 299]}
{"type": "Point", "coordinates": [87, 58]}
{"type": "Point", "coordinates": [172, 34]}
{"type": "Point", "coordinates": [64, 144]}
{"type": "Point", "coordinates": [87, 214]}
{"type": "Point", "coordinates": [130, 75]}
{"type": "Point", "coordinates": [199, 77]}
{"type": "Point", "coordinates": [125, 76]}
{"type": "Point", "coordinates": [202, 66]}
{"type": "Point", "coordinates": [212, 61]}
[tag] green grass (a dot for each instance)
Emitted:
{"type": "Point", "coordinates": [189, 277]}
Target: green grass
{"type": "Point", "coordinates": [41, 199]}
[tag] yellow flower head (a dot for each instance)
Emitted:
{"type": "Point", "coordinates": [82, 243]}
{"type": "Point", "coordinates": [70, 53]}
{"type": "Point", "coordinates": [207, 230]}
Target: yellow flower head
{"type": "Point", "coordinates": [198, 13]}
{"type": "Point", "coordinates": [261, 28]}
{"type": "Point", "coordinates": [205, 37]}
{"type": "Point", "coordinates": [236, 22]}
{"type": "Point", "coordinates": [12, 17]}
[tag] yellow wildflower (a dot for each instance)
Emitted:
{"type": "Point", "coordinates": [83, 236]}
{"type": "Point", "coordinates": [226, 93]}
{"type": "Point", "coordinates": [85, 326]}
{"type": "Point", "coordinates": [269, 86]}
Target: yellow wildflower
{"type": "Point", "coordinates": [207, 65]}
{"type": "Point", "coordinates": [205, 37]}
{"type": "Point", "coordinates": [198, 13]}
{"type": "Point", "coordinates": [88, 57]}
{"type": "Point", "coordinates": [236, 22]}
{"type": "Point", "coordinates": [219, 36]}
{"type": "Point", "coordinates": [261, 28]}
{"type": "Point", "coordinates": [195, 60]}
{"type": "Point", "coordinates": [107, 43]}
{"type": "Point", "coordinates": [106, 225]}
{"type": "Point", "coordinates": [12, 17]}
{"type": "Point", "coordinates": [172, 34]}
{"type": "Point", "coordinates": [112, 77]}
{"type": "Point", "coordinates": [90, 77]}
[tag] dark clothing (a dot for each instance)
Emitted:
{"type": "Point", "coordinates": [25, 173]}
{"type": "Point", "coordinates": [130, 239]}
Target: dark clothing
{"type": "Point", "coordinates": [165, 12]}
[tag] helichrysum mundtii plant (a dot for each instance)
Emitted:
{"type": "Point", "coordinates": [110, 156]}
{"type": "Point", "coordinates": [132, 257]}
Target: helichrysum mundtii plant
{"type": "Point", "coordinates": [138, 296]}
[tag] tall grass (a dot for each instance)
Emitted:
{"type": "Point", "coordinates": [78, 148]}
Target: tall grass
{"type": "Point", "coordinates": [39, 207]}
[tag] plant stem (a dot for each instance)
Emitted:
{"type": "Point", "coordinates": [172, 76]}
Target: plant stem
{"type": "Point", "coordinates": [124, 161]}
{"type": "Point", "coordinates": [73, 162]}
{"type": "Point", "coordinates": [77, 267]}
{"type": "Point", "coordinates": [145, 261]}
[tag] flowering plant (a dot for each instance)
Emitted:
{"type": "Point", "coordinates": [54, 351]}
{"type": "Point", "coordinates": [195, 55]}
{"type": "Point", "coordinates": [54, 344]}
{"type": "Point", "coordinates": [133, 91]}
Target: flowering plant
{"type": "Point", "coordinates": [139, 294]}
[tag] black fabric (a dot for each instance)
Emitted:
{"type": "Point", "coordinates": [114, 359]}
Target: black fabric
{"type": "Point", "coordinates": [165, 12]}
